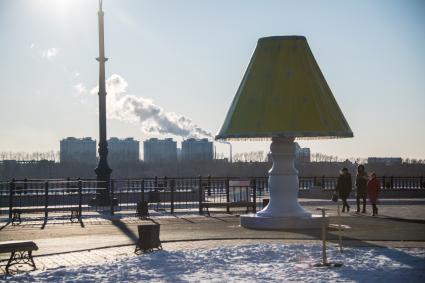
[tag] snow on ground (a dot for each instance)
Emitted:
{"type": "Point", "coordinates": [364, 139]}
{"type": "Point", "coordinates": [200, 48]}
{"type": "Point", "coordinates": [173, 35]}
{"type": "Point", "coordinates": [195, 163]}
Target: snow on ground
{"type": "Point", "coordinates": [263, 262]}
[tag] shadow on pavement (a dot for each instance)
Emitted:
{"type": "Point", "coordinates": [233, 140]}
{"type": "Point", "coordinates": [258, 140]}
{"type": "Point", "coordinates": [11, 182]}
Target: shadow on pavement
{"type": "Point", "coordinates": [416, 221]}
{"type": "Point", "coordinates": [4, 226]}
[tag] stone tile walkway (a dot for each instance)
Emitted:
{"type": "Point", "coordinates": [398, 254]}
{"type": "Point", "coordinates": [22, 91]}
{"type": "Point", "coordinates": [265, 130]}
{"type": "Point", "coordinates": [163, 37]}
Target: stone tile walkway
{"type": "Point", "coordinates": [103, 239]}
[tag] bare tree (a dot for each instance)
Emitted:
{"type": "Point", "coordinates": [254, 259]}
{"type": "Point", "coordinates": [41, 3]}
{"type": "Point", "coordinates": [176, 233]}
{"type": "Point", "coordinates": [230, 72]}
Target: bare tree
{"type": "Point", "coordinates": [28, 156]}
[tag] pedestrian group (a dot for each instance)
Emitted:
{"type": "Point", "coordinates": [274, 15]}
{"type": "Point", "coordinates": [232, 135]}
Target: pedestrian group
{"type": "Point", "coordinates": [367, 185]}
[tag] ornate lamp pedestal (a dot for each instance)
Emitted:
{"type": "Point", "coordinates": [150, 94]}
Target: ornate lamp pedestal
{"type": "Point", "coordinates": [283, 210]}
{"type": "Point", "coordinates": [103, 173]}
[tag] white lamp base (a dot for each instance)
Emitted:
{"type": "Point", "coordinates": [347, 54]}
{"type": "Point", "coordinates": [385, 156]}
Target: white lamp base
{"type": "Point", "coordinates": [283, 210]}
{"type": "Point", "coordinates": [253, 221]}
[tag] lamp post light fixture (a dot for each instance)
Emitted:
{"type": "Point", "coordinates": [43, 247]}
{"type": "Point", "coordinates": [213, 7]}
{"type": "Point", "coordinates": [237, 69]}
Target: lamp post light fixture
{"type": "Point", "coordinates": [283, 95]}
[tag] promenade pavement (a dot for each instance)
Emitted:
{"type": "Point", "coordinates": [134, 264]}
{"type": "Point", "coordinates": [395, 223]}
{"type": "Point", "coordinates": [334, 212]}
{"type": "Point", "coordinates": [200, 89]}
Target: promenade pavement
{"type": "Point", "coordinates": [100, 238]}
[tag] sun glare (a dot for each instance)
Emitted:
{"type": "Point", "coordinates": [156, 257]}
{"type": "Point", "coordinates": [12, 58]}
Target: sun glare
{"type": "Point", "coordinates": [60, 8]}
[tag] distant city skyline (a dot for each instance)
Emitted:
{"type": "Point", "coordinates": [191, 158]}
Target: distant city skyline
{"type": "Point", "coordinates": [138, 148]}
{"type": "Point", "coordinates": [175, 66]}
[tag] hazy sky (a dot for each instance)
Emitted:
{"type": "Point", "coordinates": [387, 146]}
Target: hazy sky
{"type": "Point", "coordinates": [187, 58]}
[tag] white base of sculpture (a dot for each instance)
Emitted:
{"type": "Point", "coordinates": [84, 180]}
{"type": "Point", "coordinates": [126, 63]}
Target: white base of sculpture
{"type": "Point", "coordinates": [253, 221]}
{"type": "Point", "coordinates": [283, 210]}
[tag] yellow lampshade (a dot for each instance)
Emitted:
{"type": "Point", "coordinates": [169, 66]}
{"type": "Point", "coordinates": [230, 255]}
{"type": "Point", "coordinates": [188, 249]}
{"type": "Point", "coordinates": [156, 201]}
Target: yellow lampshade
{"type": "Point", "coordinates": [283, 94]}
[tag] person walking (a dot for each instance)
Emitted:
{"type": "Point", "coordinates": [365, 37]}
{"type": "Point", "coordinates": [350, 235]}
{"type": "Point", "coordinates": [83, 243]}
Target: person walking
{"type": "Point", "coordinates": [344, 187]}
{"type": "Point", "coordinates": [361, 186]}
{"type": "Point", "coordinates": [373, 187]}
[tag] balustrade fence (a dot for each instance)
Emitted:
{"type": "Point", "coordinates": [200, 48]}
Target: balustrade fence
{"type": "Point", "coordinates": [163, 194]}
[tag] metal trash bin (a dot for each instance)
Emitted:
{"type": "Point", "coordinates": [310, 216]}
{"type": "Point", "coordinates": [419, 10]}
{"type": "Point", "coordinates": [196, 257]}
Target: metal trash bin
{"type": "Point", "coordinates": [148, 238]}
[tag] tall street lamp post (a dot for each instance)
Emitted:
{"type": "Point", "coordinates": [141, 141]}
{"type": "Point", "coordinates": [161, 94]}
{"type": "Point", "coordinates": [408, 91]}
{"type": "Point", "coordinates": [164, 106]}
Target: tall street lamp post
{"type": "Point", "coordinates": [103, 172]}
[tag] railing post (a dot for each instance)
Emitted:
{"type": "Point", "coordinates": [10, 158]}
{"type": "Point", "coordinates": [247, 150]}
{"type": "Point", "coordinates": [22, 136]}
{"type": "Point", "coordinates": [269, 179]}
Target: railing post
{"type": "Point", "coordinates": [46, 199]}
{"type": "Point", "coordinates": [80, 197]}
{"type": "Point", "coordinates": [392, 182]}
{"type": "Point", "coordinates": [209, 185]}
{"type": "Point", "coordinates": [254, 193]}
{"type": "Point", "coordinates": [323, 182]}
{"type": "Point", "coordinates": [200, 190]}
{"type": "Point", "coordinates": [11, 196]}
{"type": "Point", "coordinates": [422, 184]}
{"type": "Point", "coordinates": [383, 183]}
{"type": "Point", "coordinates": [314, 181]}
{"type": "Point", "coordinates": [25, 186]}
{"type": "Point", "coordinates": [172, 184]}
{"type": "Point", "coordinates": [156, 183]}
{"type": "Point", "coordinates": [227, 194]}
{"type": "Point", "coordinates": [142, 185]}
{"type": "Point", "coordinates": [112, 183]}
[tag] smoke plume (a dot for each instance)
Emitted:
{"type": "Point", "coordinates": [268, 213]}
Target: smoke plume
{"type": "Point", "coordinates": [153, 118]}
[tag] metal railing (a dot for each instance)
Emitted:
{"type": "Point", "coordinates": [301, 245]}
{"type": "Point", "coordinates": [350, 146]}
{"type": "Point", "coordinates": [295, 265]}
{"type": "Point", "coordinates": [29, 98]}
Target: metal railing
{"type": "Point", "coordinates": [163, 194]}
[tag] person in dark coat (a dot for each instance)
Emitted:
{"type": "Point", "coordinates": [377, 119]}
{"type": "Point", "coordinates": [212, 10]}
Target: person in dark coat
{"type": "Point", "coordinates": [361, 187]}
{"type": "Point", "coordinates": [344, 187]}
{"type": "Point", "coordinates": [373, 187]}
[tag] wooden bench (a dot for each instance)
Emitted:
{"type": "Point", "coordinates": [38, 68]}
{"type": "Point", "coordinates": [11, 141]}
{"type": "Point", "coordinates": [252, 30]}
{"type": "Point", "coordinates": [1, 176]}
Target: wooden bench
{"type": "Point", "coordinates": [16, 212]}
{"type": "Point", "coordinates": [208, 205]}
{"type": "Point", "coordinates": [21, 252]}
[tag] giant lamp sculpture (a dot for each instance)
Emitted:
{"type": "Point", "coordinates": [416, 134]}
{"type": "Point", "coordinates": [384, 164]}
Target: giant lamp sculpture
{"type": "Point", "coordinates": [283, 95]}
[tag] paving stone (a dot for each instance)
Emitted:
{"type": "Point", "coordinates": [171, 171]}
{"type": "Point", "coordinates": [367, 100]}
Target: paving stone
{"type": "Point", "coordinates": [63, 243]}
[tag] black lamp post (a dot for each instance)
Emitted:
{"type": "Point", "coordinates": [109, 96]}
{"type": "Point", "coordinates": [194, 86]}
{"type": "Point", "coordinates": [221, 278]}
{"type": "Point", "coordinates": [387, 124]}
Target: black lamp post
{"type": "Point", "coordinates": [103, 172]}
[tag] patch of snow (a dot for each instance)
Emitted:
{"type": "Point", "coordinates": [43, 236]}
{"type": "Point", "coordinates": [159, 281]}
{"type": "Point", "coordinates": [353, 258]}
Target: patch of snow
{"type": "Point", "coordinates": [263, 262]}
